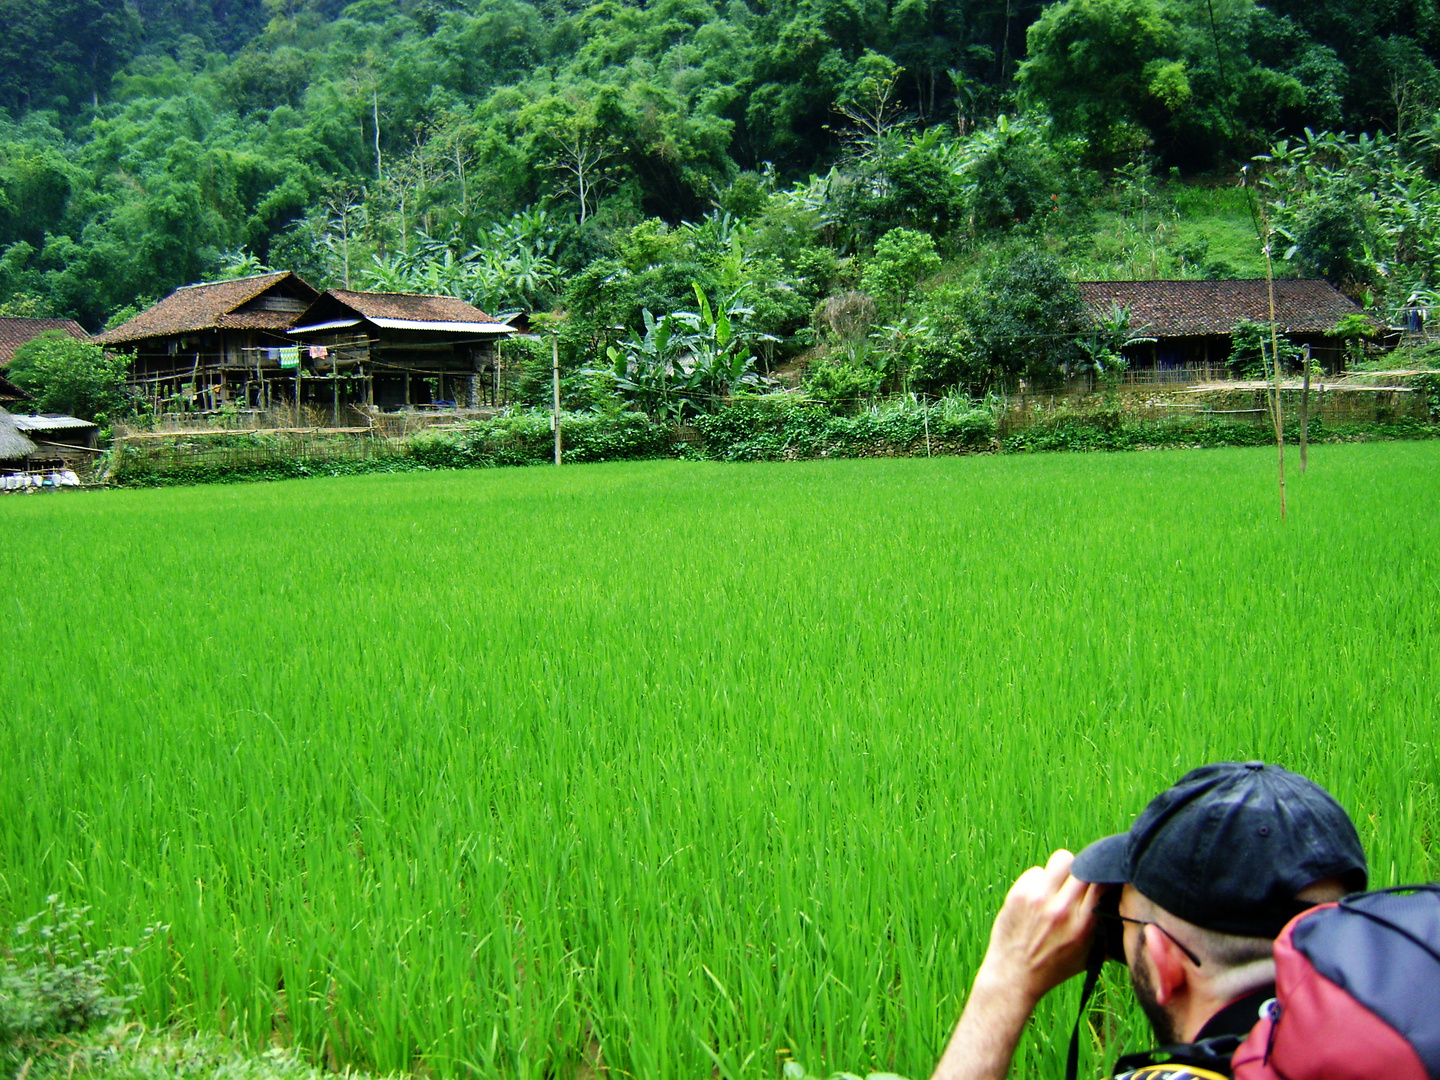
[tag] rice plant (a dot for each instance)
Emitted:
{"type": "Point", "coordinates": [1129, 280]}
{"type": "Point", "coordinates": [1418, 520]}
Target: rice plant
{"type": "Point", "coordinates": [677, 769]}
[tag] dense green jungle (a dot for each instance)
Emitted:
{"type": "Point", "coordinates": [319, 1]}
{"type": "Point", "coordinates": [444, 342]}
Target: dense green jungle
{"type": "Point", "coordinates": [898, 190]}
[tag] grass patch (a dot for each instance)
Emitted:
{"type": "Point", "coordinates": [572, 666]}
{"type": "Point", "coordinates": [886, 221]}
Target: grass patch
{"type": "Point", "coordinates": [1186, 230]}
{"type": "Point", "coordinates": [677, 766]}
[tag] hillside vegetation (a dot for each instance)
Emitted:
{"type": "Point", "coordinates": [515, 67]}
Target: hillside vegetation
{"type": "Point", "coordinates": [875, 186]}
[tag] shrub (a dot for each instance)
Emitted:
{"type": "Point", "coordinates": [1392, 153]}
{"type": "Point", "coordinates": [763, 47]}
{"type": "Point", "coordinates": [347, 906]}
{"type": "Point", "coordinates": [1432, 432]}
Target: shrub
{"type": "Point", "coordinates": [526, 438]}
{"type": "Point", "coordinates": [781, 426]}
{"type": "Point", "coordinates": [1027, 318]}
{"type": "Point", "coordinates": [70, 376]}
{"type": "Point", "coordinates": [1427, 384]}
{"type": "Point", "coordinates": [903, 258]}
{"type": "Point", "coordinates": [51, 981]}
{"type": "Point", "coordinates": [846, 377]}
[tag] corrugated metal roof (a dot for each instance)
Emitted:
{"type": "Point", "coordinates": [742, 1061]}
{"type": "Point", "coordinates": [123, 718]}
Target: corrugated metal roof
{"type": "Point", "coordinates": [423, 324]}
{"type": "Point", "coordinates": [50, 423]}
{"type": "Point", "coordinates": [333, 324]}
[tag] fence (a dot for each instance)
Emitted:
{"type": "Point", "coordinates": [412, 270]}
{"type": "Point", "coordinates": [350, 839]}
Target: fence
{"type": "Point", "coordinates": [285, 419]}
{"type": "Point", "coordinates": [1243, 403]}
{"type": "Point", "coordinates": [160, 454]}
{"type": "Point", "coordinates": [1202, 373]}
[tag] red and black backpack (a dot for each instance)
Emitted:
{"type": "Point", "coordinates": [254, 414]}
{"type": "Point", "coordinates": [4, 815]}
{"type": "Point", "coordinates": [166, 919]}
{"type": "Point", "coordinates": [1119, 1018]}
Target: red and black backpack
{"type": "Point", "coordinates": [1357, 993]}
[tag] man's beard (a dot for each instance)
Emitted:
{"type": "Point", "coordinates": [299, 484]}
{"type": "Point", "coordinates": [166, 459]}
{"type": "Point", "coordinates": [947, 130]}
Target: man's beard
{"type": "Point", "coordinates": [1160, 1021]}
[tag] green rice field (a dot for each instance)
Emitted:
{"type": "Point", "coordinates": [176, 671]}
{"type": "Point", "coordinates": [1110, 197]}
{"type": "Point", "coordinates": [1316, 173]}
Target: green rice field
{"type": "Point", "coordinates": [678, 769]}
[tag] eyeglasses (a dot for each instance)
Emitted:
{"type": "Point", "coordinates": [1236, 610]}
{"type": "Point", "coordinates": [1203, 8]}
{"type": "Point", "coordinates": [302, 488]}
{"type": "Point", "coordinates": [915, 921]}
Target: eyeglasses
{"type": "Point", "coordinates": [1115, 942]}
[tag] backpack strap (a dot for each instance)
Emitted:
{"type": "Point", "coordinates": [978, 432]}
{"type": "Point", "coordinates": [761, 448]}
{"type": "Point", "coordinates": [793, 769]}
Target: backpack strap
{"type": "Point", "coordinates": [1211, 1057]}
{"type": "Point", "coordinates": [1348, 903]}
{"type": "Point", "coordinates": [1171, 1072]}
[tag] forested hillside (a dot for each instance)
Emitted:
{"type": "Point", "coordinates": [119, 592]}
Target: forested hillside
{"type": "Point", "coordinates": [606, 159]}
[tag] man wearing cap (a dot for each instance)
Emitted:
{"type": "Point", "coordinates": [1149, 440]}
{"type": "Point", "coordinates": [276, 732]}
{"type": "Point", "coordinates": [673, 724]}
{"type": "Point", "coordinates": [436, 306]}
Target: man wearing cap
{"type": "Point", "coordinates": [1190, 899]}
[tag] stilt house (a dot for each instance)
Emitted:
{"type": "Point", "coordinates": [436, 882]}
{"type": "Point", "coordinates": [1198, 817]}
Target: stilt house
{"type": "Point", "coordinates": [215, 344]}
{"type": "Point", "coordinates": [15, 332]}
{"type": "Point", "coordinates": [1193, 322]}
{"type": "Point", "coordinates": [397, 350]}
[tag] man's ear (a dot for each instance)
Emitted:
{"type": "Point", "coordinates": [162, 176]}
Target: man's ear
{"type": "Point", "coordinates": [1167, 962]}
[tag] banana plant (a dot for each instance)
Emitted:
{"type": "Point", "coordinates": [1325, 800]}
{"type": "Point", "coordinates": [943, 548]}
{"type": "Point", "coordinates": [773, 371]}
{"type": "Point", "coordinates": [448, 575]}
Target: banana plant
{"type": "Point", "coordinates": [719, 346]}
{"type": "Point", "coordinates": [648, 370]}
{"type": "Point", "coordinates": [688, 361]}
{"type": "Point", "coordinates": [1110, 335]}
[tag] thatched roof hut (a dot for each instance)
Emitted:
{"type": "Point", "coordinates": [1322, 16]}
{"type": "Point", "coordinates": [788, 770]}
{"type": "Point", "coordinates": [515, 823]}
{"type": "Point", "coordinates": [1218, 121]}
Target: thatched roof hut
{"type": "Point", "coordinates": [13, 444]}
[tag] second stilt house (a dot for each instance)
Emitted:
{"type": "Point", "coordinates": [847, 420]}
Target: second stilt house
{"type": "Point", "coordinates": [401, 350]}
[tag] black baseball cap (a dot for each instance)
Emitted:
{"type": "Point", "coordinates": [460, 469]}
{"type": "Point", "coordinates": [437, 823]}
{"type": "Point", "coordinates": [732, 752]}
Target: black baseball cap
{"type": "Point", "coordinates": [1229, 847]}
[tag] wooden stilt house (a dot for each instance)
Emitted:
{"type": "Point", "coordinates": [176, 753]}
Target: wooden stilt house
{"type": "Point", "coordinates": [399, 350]}
{"type": "Point", "coordinates": [215, 344]}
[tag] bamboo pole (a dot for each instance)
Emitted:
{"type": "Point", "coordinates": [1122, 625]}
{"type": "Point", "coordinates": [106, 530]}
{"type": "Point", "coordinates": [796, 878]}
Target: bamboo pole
{"type": "Point", "coordinates": [1275, 358]}
{"type": "Point", "coordinates": [555, 371]}
{"type": "Point", "coordinates": [1305, 415]}
{"type": "Point", "coordinates": [1277, 403]}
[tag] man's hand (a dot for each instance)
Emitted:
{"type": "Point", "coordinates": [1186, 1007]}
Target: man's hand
{"type": "Point", "coordinates": [1043, 931]}
{"type": "Point", "coordinates": [1039, 939]}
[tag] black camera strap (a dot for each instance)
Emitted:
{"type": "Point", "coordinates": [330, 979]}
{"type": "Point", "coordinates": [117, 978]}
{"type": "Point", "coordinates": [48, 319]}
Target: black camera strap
{"type": "Point", "coordinates": [1093, 963]}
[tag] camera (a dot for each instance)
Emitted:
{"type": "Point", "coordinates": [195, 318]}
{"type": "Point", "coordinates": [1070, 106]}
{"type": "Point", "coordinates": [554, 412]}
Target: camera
{"type": "Point", "coordinates": [1109, 929]}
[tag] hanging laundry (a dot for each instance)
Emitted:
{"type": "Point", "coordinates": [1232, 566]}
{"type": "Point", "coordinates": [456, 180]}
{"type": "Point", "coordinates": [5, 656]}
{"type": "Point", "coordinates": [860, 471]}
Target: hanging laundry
{"type": "Point", "coordinates": [319, 352]}
{"type": "Point", "coordinates": [290, 357]}
{"type": "Point", "coordinates": [272, 353]}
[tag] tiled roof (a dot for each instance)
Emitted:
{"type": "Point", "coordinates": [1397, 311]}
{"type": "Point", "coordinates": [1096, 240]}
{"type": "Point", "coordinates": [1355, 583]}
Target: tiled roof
{"type": "Point", "coordinates": [257, 320]}
{"type": "Point", "coordinates": [1183, 308]}
{"type": "Point", "coordinates": [16, 332]}
{"type": "Point", "coordinates": [210, 306]}
{"type": "Point", "coordinates": [10, 392]}
{"type": "Point", "coordinates": [413, 306]}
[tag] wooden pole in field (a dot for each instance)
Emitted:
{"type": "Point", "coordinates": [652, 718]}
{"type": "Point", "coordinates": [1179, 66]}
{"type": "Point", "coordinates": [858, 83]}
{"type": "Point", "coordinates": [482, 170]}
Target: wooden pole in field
{"type": "Point", "coordinates": [555, 371]}
{"type": "Point", "coordinates": [1277, 408]}
{"type": "Point", "coordinates": [1275, 357]}
{"type": "Point", "coordinates": [1305, 414]}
